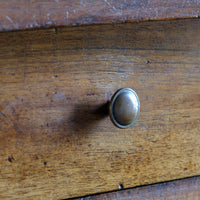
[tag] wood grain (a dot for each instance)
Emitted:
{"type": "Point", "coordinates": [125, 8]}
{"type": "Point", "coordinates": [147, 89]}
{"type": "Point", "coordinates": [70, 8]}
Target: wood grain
{"type": "Point", "coordinates": [56, 140]}
{"type": "Point", "coordinates": [23, 14]}
{"type": "Point", "coordinates": [186, 189]}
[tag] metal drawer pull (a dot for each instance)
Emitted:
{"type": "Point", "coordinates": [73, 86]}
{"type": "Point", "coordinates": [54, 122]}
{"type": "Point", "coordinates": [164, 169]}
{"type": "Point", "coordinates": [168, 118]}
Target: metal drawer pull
{"type": "Point", "coordinates": [124, 108]}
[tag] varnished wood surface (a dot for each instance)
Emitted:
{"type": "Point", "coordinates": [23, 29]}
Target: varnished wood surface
{"type": "Point", "coordinates": [56, 141]}
{"type": "Point", "coordinates": [23, 14]}
{"type": "Point", "coordinates": [186, 189]}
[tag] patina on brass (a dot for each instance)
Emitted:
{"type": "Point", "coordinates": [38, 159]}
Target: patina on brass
{"type": "Point", "coordinates": [124, 107]}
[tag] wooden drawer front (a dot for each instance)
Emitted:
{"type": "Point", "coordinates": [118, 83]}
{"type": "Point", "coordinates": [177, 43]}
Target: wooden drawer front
{"type": "Point", "coordinates": [56, 141]}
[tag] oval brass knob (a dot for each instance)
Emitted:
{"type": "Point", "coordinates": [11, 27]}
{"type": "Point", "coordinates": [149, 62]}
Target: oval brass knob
{"type": "Point", "coordinates": [124, 108]}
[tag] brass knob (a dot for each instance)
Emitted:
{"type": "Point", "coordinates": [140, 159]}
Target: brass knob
{"type": "Point", "coordinates": [124, 108]}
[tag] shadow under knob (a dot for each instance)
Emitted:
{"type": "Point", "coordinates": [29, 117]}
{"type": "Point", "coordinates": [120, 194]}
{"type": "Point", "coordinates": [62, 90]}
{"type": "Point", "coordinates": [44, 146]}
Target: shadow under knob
{"type": "Point", "coordinates": [124, 107]}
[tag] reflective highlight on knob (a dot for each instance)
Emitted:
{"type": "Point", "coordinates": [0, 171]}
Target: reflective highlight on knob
{"type": "Point", "coordinates": [124, 107]}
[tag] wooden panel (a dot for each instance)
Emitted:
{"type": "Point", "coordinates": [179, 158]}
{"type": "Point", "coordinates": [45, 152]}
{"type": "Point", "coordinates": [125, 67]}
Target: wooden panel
{"type": "Point", "coordinates": [23, 14]}
{"type": "Point", "coordinates": [55, 138]}
{"type": "Point", "coordinates": [187, 189]}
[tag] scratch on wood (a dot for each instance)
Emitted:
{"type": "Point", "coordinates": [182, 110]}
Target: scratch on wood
{"type": "Point", "coordinates": [48, 14]}
{"type": "Point", "coordinates": [2, 114]}
{"type": "Point", "coordinates": [36, 24]}
{"type": "Point", "coordinates": [67, 16]}
{"type": "Point", "coordinates": [108, 3]}
{"type": "Point", "coordinates": [10, 20]}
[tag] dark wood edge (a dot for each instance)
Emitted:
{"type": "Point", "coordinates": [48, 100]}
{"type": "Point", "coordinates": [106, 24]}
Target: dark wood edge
{"type": "Point", "coordinates": [28, 14]}
{"type": "Point", "coordinates": [187, 188]}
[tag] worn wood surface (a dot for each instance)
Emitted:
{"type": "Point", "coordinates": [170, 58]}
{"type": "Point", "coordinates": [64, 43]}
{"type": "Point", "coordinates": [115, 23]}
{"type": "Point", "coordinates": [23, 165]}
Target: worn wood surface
{"type": "Point", "coordinates": [186, 189]}
{"type": "Point", "coordinates": [56, 140]}
{"type": "Point", "coordinates": [23, 14]}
